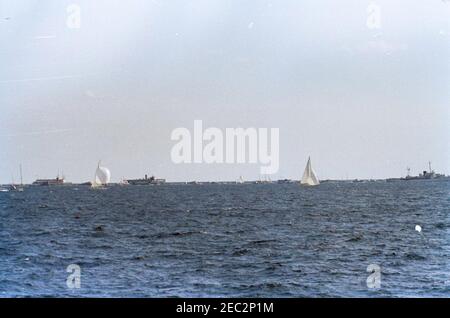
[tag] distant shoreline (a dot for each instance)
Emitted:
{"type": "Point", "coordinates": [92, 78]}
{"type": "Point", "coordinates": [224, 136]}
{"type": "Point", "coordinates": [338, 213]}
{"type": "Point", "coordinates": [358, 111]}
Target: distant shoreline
{"type": "Point", "coordinates": [286, 181]}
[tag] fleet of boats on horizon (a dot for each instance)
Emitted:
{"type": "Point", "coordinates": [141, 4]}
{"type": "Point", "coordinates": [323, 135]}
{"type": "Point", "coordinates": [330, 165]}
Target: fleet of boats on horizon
{"type": "Point", "coordinates": [102, 179]}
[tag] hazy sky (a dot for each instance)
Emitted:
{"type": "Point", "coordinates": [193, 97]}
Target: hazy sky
{"type": "Point", "coordinates": [363, 102]}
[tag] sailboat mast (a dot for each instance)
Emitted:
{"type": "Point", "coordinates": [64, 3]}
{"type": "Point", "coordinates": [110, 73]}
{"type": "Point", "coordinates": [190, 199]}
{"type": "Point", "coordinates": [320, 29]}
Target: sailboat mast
{"type": "Point", "coordinates": [309, 166]}
{"type": "Point", "coordinates": [21, 176]}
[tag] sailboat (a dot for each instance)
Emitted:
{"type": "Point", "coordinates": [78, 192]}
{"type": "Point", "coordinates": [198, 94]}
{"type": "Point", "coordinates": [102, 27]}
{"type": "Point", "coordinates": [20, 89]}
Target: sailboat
{"type": "Point", "coordinates": [309, 176]}
{"type": "Point", "coordinates": [19, 188]}
{"type": "Point", "coordinates": [102, 176]}
{"type": "Point", "coordinates": [13, 186]}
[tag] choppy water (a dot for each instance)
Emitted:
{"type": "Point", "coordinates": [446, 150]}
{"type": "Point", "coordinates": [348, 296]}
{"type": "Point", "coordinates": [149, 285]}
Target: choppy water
{"type": "Point", "coordinates": [227, 240]}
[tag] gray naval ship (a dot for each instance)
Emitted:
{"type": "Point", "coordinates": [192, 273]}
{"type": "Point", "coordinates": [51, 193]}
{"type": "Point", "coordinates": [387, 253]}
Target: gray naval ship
{"type": "Point", "coordinates": [146, 181]}
{"type": "Point", "coordinates": [425, 175]}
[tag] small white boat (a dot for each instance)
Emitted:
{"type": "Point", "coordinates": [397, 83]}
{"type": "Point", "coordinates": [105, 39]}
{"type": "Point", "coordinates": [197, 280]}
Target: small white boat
{"type": "Point", "coordinates": [124, 182]}
{"type": "Point", "coordinates": [13, 187]}
{"type": "Point", "coordinates": [309, 176]}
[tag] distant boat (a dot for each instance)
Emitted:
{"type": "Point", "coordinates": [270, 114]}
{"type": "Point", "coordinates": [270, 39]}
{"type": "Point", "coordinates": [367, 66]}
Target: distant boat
{"type": "Point", "coordinates": [13, 186]}
{"type": "Point", "coordinates": [124, 182]}
{"type": "Point", "coordinates": [266, 179]}
{"type": "Point", "coordinates": [425, 175]}
{"type": "Point", "coordinates": [50, 182]}
{"type": "Point", "coordinates": [102, 176]}
{"type": "Point", "coordinates": [240, 180]}
{"type": "Point", "coordinates": [146, 181]}
{"type": "Point", "coordinates": [430, 174]}
{"type": "Point", "coordinates": [309, 176]}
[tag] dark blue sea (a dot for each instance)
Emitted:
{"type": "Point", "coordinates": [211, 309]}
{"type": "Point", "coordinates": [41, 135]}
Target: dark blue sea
{"type": "Point", "coordinates": [236, 240]}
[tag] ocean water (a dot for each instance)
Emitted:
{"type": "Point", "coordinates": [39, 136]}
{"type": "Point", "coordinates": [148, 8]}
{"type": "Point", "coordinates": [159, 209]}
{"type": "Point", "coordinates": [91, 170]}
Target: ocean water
{"type": "Point", "coordinates": [243, 240]}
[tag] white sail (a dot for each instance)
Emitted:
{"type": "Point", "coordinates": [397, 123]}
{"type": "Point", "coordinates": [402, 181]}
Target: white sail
{"type": "Point", "coordinates": [309, 176]}
{"type": "Point", "coordinates": [102, 176]}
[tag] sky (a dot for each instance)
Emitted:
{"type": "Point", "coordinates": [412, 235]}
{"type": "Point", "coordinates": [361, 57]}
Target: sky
{"type": "Point", "coordinates": [364, 100]}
